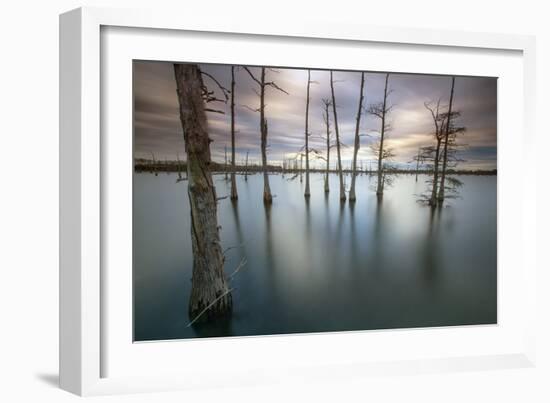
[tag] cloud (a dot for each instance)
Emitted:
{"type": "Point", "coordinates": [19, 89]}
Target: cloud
{"type": "Point", "coordinates": [158, 129]}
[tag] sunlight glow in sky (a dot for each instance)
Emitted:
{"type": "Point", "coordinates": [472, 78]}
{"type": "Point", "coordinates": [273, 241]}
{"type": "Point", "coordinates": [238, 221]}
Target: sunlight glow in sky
{"type": "Point", "coordinates": [158, 129]}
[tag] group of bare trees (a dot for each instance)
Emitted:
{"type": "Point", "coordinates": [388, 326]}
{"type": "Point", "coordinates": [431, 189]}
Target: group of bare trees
{"type": "Point", "coordinates": [326, 117]}
{"type": "Point", "coordinates": [442, 153]}
{"type": "Point", "coordinates": [381, 152]}
{"type": "Point", "coordinates": [211, 292]}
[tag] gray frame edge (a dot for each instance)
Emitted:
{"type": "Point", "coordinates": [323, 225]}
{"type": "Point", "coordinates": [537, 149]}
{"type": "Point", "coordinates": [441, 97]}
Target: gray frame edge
{"type": "Point", "coordinates": [70, 181]}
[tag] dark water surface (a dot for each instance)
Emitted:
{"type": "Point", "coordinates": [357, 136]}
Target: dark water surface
{"type": "Point", "coordinates": [320, 266]}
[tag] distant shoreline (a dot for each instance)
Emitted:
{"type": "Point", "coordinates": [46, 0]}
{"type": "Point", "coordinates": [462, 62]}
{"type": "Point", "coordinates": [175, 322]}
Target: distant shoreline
{"type": "Point", "coordinates": [174, 166]}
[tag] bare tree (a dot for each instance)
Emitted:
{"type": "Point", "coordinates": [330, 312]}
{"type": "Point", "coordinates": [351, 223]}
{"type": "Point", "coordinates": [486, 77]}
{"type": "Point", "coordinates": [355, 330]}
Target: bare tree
{"type": "Point", "coordinates": [234, 194]}
{"type": "Point", "coordinates": [225, 163]}
{"type": "Point", "coordinates": [263, 84]}
{"type": "Point", "coordinates": [246, 167]}
{"type": "Point", "coordinates": [307, 134]}
{"type": "Point", "coordinates": [445, 134]}
{"type": "Point", "coordinates": [342, 186]}
{"type": "Point", "coordinates": [381, 111]}
{"type": "Point", "coordinates": [210, 294]}
{"type": "Point", "coordinates": [301, 167]}
{"type": "Point", "coordinates": [357, 143]}
{"type": "Point", "coordinates": [326, 118]}
{"type": "Point", "coordinates": [417, 165]}
{"type": "Point", "coordinates": [387, 172]}
{"type": "Point", "coordinates": [441, 195]}
{"type": "Point", "coordinates": [452, 184]}
{"type": "Point", "coordinates": [154, 166]}
{"type": "Point", "coordinates": [432, 153]}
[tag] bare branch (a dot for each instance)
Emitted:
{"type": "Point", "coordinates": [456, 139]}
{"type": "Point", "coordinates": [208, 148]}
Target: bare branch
{"type": "Point", "coordinates": [224, 90]}
{"type": "Point", "coordinates": [252, 75]}
{"type": "Point", "coordinates": [251, 109]}
{"type": "Point", "coordinates": [272, 84]}
{"type": "Point", "coordinates": [214, 110]}
{"type": "Point", "coordinates": [232, 247]}
{"type": "Point", "coordinates": [242, 263]}
{"type": "Point", "coordinates": [210, 306]}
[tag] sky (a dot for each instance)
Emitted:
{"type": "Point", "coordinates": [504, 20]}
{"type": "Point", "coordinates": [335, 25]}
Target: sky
{"type": "Point", "coordinates": [157, 128]}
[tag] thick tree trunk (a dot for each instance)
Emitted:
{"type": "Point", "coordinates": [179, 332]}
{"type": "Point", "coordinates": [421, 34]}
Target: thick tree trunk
{"type": "Point", "coordinates": [268, 199]}
{"type": "Point", "coordinates": [380, 185]}
{"type": "Point", "coordinates": [327, 187]}
{"type": "Point", "coordinates": [209, 289]}
{"type": "Point", "coordinates": [342, 186]}
{"type": "Point", "coordinates": [234, 195]}
{"type": "Point", "coordinates": [441, 196]}
{"type": "Point", "coordinates": [357, 142]}
{"type": "Point", "coordinates": [307, 192]}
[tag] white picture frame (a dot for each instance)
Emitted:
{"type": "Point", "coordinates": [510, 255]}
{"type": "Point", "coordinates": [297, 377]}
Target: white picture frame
{"type": "Point", "coordinates": [89, 338]}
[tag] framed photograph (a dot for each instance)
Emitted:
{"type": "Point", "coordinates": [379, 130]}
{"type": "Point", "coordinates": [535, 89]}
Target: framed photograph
{"type": "Point", "coordinates": [252, 204]}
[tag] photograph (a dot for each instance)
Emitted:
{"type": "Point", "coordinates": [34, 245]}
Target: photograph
{"type": "Point", "coordinates": [277, 200]}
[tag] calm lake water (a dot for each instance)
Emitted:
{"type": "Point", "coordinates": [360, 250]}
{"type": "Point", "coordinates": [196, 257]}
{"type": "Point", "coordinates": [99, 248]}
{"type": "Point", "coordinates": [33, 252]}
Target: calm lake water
{"type": "Point", "coordinates": [320, 266]}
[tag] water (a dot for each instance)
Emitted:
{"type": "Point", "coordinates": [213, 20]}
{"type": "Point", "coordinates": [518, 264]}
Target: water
{"type": "Point", "coordinates": [319, 266]}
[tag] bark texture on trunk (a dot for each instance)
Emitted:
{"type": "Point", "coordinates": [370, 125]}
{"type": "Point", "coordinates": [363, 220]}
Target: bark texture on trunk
{"type": "Point", "coordinates": [380, 185]}
{"type": "Point", "coordinates": [307, 192]}
{"type": "Point", "coordinates": [342, 186]}
{"type": "Point", "coordinates": [234, 194]}
{"type": "Point", "coordinates": [357, 142]}
{"type": "Point", "coordinates": [441, 196]}
{"type": "Point", "coordinates": [268, 199]}
{"type": "Point", "coordinates": [209, 288]}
